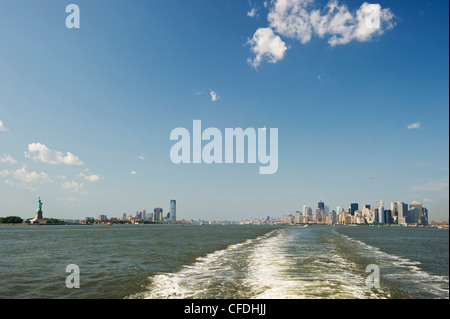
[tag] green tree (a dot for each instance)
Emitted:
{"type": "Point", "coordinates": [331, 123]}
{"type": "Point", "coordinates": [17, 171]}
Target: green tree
{"type": "Point", "coordinates": [11, 220]}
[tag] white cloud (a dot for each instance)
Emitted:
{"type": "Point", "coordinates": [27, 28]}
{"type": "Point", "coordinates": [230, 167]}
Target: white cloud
{"type": "Point", "coordinates": [90, 178]}
{"type": "Point", "coordinates": [7, 159]}
{"type": "Point", "coordinates": [141, 157]}
{"type": "Point", "coordinates": [436, 186]}
{"type": "Point", "coordinates": [416, 125]}
{"type": "Point", "coordinates": [252, 12]}
{"type": "Point", "coordinates": [24, 178]}
{"type": "Point", "coordinates": [300, 20]}
{"type": "Point", "coordinates": [30, 177]}
{"type": "Point", "coordinates": [214, 96]}
{"type": "Point", "coordinates": [74, 186]}
{"type": "Point", "coordinates": [266, 46]}
{"type": "Point", "coordinates": [2, 127]}
{"type": "Point", "coordinates": [133, 172]}
{"type": "Point", "coordinates": [40, 152]}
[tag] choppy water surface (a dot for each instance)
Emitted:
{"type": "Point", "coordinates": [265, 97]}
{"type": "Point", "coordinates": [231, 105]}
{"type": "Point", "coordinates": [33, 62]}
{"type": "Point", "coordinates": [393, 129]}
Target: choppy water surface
{"type": "Point", "coordinates": [223, 261]}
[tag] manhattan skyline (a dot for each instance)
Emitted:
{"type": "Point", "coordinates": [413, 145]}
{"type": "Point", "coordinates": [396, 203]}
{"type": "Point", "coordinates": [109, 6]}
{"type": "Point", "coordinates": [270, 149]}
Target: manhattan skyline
{"type": "Point", "coordinates": [86, 114]}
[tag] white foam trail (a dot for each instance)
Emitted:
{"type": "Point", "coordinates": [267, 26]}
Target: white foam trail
{"type": "Point", "coordinates": [274, 273]}
{"type": "Point", "coordinates": [404, 269]}
{"type": "Point", "coordinates": [209, 277]}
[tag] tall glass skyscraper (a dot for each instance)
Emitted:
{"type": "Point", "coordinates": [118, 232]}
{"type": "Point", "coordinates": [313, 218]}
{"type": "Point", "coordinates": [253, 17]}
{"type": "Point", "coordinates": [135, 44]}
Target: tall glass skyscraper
{"type": "Point", "coordinates": [321, 205]}
{"type": "Point", "coordinates": [353, 208]}
{"type": "Point", "coordinates": [173, 210]}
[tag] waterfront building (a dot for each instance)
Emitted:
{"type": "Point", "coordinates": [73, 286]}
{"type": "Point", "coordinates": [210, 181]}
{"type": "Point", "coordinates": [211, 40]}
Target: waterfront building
{"type": "Point", "coordinates": [307, 213]}
{"type": "Point", "coordinates": [158, 214]}
{"type": "Point", "coordinates": [418, 218]}
{"type": "Point", "coordinates": [402, 213]}
{"type": "Point", "coordinates": [173, 210]}
{"type": "Point", "coordinates": [298, 217]}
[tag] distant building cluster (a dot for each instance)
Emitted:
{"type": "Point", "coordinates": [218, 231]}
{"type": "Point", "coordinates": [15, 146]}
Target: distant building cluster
{"type": "Point", "coordinates": [398, 213]}
{"type": "Point", "coordinates": [157, 216]}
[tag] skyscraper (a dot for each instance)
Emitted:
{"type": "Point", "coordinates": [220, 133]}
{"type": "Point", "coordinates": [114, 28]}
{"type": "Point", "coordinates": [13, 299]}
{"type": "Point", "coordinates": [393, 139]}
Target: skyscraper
{"type": "Point", "coordinates": [158, 216]}
{"type": "Point", "coordinates": [402, 212]}
{"type": "Point", "coordinates": [353, 208]}
{"type": "Point", "coordinates": [417, 205]}
{"type": "Point", "coordinates": [379, 206]}
{"type": "Point", "coordinates": [173, 210]}
{"type": "Point", "coordinates": [321, 205]}
{"type": "Point", "coordinates": [394, 208]}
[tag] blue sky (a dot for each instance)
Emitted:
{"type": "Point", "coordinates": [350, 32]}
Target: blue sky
{"type": "Point", "coordinates": [81, 109]}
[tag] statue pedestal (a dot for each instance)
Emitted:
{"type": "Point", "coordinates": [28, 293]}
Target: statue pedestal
{"type": "Point", "coordinates": [38, 215]}
{"type": "Point", "coordinates": [38, 218]}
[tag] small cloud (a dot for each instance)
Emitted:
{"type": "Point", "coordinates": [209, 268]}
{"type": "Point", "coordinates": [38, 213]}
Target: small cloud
{"type": "Point", "coordinates": [252, 12]}
{"type": "Point", "coordinates": [416, 125]}
{"type": "Point", "coordinates": [4, 173]}
{"type": "Point", "coordinates": [7, 159]}
{"type": "Point", "coordinates": [30, 177]}
{"type": "Point", "coordinates": [141, 157]}
{"type": "Point", "coordinates": [133, 172]}
{"type": "Point", "coordinates": [214, 96]}
{"type": "Point", "coordinates": [74, 186]}
{"type": "Point", "coordinates": [90, 178]}
{"type": "Point", "coordinates": [267, 46]}
{"type": "Point", "coordinates": [41, 153]}
{"type": "Point", "coordinates": [2, 127]}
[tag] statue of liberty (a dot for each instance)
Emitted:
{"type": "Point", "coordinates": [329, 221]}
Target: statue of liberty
{"type": "Point", "coordinates": [39, 213]}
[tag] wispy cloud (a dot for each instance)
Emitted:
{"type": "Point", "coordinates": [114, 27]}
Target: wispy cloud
{"type": "Point", "coordinates": [2, 127]}
{"type": "Point", "coordinates": [67, 200]}
{"type": "Point", "coordinates": [252, 12]}
{"type": "Point", "coordinates": [416, 125]}
{"type": "Point", "coordinates": [25, 179]}
{"type": "Point", "coordinates": [214, 96]}
{"type": "Point", "coordinates": [133, 173]}
{"type": "Point", "coordinates": [436, 186]}
{"type": "Point", "coordinates": [7, 159]}
{"type": "Point", "coordinates": [141, 157]}
{"type": "Point", "coordinates": [74, 186]}
{"type": "Point", "coordinates": [90, 178]}
{"type": "Point", "coordinates": [41, 153]}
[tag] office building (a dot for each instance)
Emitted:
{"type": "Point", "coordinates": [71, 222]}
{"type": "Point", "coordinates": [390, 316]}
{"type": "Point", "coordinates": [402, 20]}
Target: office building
{"type": "Point", "coordinates": [158, 215]}
{"type": "Point", "coordinates": [173, 210]}
{"type": "Point", "coordinates": [298, 217]}
{"type": "Point", "coordinates": [321, 205]}
{"type": "Point", "coordinates": [419, 216]}
{"type": "Point", "coordinates": [402, 209]}
{"type": "Point", "coordinates": [353, 208]}
{"type": "Point", "coordinates": [307, 212]}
